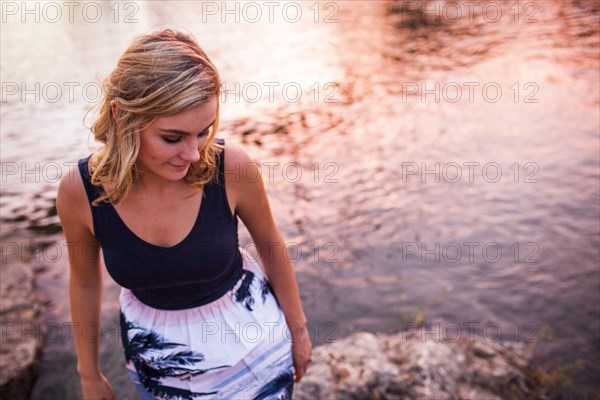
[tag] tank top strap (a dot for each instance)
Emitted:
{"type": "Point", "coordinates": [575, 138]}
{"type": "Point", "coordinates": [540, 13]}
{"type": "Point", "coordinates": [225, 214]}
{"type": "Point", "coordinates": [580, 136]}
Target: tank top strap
{"type": "Point", "coordinates": [221, 166]}
{"type": "Point", "coordinates": [92, 191]}
{"type": "Point", "coordinates": [218, 184]}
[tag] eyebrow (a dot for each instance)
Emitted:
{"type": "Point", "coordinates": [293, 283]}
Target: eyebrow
{"type": "Point", "coordinates": [184, 133]}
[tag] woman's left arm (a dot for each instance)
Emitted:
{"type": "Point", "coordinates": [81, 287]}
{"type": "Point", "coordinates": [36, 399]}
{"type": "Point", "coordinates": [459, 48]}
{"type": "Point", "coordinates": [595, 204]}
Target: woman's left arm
{"type": "Point", "coordinates": [252, 206]}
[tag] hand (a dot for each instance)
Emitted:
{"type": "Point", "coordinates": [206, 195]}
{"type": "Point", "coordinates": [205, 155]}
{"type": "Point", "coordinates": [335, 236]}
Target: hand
{"type": "Point", "coordinates": [97, 388]}
{"type": "Point", "coordinates": [301, 351]}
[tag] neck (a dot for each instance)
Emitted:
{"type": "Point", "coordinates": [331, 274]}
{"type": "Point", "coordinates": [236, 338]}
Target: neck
{"type": "Point", "coordinates": [157, 186]}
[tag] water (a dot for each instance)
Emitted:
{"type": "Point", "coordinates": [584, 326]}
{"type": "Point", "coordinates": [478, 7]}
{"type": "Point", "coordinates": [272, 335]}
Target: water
{"type": "Point", "coordinates": [370, 204]}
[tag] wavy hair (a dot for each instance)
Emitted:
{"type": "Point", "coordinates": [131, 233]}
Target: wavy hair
{"type": "Point", "coordinates": [161, 73]}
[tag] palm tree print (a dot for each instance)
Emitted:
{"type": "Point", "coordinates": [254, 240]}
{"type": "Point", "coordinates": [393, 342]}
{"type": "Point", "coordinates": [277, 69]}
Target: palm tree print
{"type": "Point", "coordinates": [279, 388]}
{"type": "Point", "coordinates": [243, 295]}
{"type": "Point", "coordinates": [264, 289]}
{"type": "Point", "coordinates": [146, 350]}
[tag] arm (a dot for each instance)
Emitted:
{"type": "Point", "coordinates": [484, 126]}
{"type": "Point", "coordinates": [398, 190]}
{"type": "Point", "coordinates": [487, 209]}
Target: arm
{"type": "Point", "coordinates": [252, 206]}
{"type": "Point", "coordinates": [85, 283]}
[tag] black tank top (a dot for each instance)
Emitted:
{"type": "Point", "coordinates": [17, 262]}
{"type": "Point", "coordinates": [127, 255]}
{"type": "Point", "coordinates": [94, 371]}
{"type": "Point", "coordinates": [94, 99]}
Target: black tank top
{"type": "Point", "coordinates": [196, 271]}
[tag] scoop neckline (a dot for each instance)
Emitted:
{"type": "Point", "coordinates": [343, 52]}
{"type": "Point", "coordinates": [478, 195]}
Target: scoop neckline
{"type": "Point", "coordinates": [180, 243]}
{"type": "Point", "coordinates": [152, 245]}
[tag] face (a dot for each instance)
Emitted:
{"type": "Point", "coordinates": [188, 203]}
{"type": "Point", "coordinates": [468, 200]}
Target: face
{"type": "Point", "coordinates": [172, 143]}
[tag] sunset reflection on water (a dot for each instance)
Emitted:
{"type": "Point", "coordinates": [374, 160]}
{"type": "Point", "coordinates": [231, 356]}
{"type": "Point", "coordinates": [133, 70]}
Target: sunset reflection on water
{"type": "Point", "coordinates": [369, 113]}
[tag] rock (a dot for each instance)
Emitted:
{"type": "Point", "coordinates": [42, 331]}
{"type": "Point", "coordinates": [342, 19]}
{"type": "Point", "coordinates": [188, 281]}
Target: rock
{"type": "Point", "coordinates": [379, 366]}
{"type": "Point", "coordinates": [22, 340]}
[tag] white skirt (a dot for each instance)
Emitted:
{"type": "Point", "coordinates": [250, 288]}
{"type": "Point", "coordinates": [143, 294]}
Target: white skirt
{"type": "Point", "coordinates": [236, 347]}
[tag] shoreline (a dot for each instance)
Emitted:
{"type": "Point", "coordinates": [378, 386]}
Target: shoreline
{"type": "Point", "coordinates": [337, 370]}
{"type": "Point", "coordinates": [20, 310]}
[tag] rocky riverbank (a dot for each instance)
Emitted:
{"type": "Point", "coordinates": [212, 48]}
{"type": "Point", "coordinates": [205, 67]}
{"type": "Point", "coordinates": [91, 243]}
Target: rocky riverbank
{"type": "Point", "coordinates": [401, 366]}
{"type": "Point", "coordinates": [361, 366]}
{"type": "Point", "coordinates": [21, 348]}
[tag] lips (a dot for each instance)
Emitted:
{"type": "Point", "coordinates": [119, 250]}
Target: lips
{"type": "Point", "coordinates": [183, 166]}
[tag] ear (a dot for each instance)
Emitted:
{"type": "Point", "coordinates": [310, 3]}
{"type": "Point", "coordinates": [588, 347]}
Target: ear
{"type": "Point", "coordinates": [114, 107]}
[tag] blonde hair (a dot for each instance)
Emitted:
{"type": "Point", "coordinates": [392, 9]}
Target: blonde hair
{"type": "Point", "coordinates": [161, 73]}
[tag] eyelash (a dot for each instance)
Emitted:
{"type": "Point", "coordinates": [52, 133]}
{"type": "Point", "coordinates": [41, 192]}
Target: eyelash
{"type": "Point", "coordinates": [173, 141]}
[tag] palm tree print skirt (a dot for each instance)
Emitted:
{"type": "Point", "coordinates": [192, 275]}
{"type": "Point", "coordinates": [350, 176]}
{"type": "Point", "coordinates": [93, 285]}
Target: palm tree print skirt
{"type": "Point", "coordinates": [237, 347]}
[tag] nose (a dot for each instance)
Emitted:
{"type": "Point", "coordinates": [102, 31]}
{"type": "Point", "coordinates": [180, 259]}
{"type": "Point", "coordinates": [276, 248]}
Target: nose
{"type": "Point", "coordinates": [191, 152]}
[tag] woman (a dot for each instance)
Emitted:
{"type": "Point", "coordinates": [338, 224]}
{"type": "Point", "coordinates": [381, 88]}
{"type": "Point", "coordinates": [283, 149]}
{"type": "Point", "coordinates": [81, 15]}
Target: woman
{"type": "Point", "coordinates": [199, 318]}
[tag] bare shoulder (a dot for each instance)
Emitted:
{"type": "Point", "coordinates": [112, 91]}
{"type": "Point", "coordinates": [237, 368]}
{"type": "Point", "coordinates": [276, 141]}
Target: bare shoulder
{"type": "Point", "coordinates": [76, 220]}
{"type": "Point", "coordinates": [71, 199]}
{"type": "Point", "coordinates": [240, 168]}
{"type": "Point", "coordinates": [236, 155]}
{"type": "Point", "coordinates": [247, 191]}
{"type": "Point", "coordinates": [70, 188]}
{"type": "Point", "coordinates": [242, 175]}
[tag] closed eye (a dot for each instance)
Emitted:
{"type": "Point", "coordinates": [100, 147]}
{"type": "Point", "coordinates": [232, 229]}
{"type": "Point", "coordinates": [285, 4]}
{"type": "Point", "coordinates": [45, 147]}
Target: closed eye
{"type": "Point", "coordinates": [205, 132]}
{"type": "Point", "coordinates": [177, 139]}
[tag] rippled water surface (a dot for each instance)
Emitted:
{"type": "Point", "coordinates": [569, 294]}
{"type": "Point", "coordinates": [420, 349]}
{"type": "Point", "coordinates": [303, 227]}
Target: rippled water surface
{"type": "Point", "coordinates": [379, 214]}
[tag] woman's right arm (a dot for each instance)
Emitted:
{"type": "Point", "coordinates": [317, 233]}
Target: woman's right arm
{"type": "Point", "coordinates": [85, 283]}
